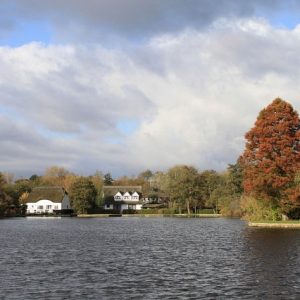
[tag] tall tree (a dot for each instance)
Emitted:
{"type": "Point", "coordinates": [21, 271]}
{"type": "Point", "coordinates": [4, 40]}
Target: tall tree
{"type": "Point", "coordinates": [97, 180]}
{"type": "Point", "coordinates": [83, 195]}
{"type": "Point", "coordinates": [209, 181]}
{"type": "Point", "coordinates": [272, 155]}
{"type": "Point", "coordinates": [183, 185]}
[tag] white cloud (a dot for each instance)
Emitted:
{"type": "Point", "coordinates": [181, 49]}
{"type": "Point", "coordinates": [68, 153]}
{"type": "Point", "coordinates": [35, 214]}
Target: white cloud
{"type": "Point", "coordinates": [194, 95]}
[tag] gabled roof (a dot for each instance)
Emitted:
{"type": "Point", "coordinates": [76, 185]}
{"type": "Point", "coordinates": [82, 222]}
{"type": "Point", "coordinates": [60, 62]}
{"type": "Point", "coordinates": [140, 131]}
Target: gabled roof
{"type": "Point", "coordinates": [111, 190]}
{"type": "Point", "coordinates": [52, 193]}
{"type": "Point", "coordinates": [128, 192]}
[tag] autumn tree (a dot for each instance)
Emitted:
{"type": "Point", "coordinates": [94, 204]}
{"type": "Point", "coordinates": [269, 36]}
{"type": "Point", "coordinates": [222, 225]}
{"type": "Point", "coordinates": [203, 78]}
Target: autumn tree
{"type": "Point", "coordinates": [82, 195]}
{"type": "Point", "coordinates": [272, 156]}
{"type": "Point", "coordinates": [55, 176]}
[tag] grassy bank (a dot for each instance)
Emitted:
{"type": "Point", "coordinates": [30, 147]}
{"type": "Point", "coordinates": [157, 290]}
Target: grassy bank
{"type": "Point", "coordinates": [276, 224]}
{"type": "Point", "coordinates": [152, 215]}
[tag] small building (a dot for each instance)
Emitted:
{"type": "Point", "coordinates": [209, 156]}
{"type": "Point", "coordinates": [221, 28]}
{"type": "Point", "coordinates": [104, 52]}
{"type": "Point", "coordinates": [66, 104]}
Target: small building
{"type": "Point", "coordinates": [43, 200]}
{"type": "Point", "coordinates": [120, 198]}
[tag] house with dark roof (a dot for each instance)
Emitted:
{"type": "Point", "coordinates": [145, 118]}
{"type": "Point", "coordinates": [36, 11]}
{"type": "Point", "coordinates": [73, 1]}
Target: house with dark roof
{"type": "Point", "coordinates": [47, 199]}
{"type": "Point", "coordinates": [120, 198]}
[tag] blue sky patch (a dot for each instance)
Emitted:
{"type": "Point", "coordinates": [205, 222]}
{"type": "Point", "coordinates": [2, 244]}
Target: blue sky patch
{"type": "Point", "coordinates": [128, 126]}
{"type": "Point", "coordinates": [27, 32]}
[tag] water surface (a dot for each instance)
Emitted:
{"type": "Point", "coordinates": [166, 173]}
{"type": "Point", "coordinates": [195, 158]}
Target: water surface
{"type": "Point", "coordinates": [146, 258]}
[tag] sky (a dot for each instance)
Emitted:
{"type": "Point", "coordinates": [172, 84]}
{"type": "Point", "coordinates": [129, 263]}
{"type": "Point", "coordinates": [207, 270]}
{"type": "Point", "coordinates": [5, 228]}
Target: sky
{"type": "Point", "coordinates": [122, 86]}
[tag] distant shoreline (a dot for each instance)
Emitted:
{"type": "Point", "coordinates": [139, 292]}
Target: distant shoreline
{"type": "Point", "coordinates": [152, 215]}
{"type": "Point", "coordinates": [276, 224]}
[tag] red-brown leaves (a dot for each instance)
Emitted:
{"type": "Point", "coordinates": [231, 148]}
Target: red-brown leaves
{"type": "Point", "coordinates": [272, 155]}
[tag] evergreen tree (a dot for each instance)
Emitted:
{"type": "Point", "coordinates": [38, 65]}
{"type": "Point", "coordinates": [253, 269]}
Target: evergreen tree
{"type": "Point", "coordinates": [108, 180]}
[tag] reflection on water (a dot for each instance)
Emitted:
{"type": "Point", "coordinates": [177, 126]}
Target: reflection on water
{"type": "Point", "coordinates": [274, 255]}
{"type": "Point", "coordinates": [146, 258]}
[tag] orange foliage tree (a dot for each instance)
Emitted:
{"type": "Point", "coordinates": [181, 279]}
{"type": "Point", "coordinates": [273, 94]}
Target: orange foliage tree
{"type": "Point", "coordinates": [271, 159]}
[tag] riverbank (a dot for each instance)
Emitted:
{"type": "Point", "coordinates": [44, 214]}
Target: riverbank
{"type": "Point", "coordinates": [151, 215]}
{"type": "Point", "coordinates": [276, 224]}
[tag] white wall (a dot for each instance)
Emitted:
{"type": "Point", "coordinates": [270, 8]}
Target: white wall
{"type": "Point", "coordinates": [131, 206]}
{"type": "Point", "coordinates": [42, 206]}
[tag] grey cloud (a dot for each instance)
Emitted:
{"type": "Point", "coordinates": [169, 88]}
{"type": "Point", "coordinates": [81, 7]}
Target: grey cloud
{"type": "Point", "coordinates": [71, 96]}
{"type": "Point", "coordinates": [136, 18]}
{"type": "Point", "coordinates": [23, 150]}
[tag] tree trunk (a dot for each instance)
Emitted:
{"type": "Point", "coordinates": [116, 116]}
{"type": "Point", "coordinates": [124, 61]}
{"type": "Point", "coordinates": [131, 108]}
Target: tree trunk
{"type": "Point", "coordinates": [188, 206]}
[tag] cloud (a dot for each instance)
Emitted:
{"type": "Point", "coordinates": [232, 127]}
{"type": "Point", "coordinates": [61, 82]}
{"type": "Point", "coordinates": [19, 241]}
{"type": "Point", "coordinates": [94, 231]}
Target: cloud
{"type": "Point", "coordinates": [136, 19]}
{"type": "Point", "coordinates": [66, 88]}
{"type": "Point", "coordinates": [191, 96]}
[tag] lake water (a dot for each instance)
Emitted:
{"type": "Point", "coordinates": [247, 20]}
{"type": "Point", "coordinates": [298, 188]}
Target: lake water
{"type": "Point", "coordinates": [146, 258]}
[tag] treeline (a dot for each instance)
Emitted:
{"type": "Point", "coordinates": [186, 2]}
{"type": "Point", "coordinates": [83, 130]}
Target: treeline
{"type": "Point", "coordinates": [181, 189]}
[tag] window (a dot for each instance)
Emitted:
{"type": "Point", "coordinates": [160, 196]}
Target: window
{"type": "Point", "coordinates": [107, 206]}
{"type": "Point", "coordinates": [48, 206]}
{"type": "Point", "coordinates": [40, 207]}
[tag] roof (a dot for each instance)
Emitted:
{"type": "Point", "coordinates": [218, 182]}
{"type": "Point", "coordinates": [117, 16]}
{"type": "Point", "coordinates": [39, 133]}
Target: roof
{"type": "Point", "coordinates": [52, 193]}
{"type": "Point", "coordinates": [111, 190]}
{"type": "Point", "coordinates": [129, 192]}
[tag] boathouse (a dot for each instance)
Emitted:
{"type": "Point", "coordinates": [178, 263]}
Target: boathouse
{"type": "Point", "coordinates": [43, 200]}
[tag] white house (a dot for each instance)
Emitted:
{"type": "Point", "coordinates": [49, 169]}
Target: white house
{"type": "Point", "coordinates": [43, 200]}
{"type": "Point", "coordinates": [123, 201]}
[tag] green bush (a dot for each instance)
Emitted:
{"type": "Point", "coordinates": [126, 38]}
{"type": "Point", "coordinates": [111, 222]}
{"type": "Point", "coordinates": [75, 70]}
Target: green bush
{"type": "Point", "coordinates": [259, 210]}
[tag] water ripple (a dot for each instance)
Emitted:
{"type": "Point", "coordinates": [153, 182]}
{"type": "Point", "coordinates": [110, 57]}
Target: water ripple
{"type": "Point", "coordinates": [146, 258]}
